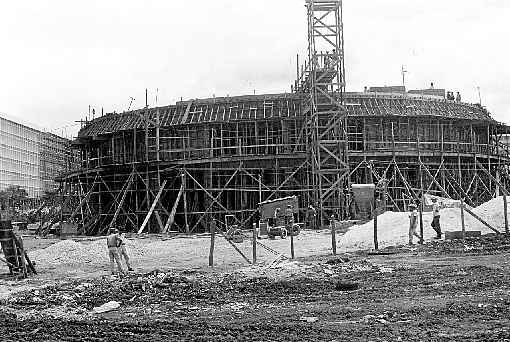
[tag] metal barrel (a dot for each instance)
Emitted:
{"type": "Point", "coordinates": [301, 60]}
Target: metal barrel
{"type": "Point", "coordinates": [5, 231]}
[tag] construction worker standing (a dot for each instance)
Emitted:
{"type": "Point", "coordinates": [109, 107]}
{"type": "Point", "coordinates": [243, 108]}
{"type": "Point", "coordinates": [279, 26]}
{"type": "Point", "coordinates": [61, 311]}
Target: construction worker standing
{"type": "Point", "coordinates": [112, 242]}
{"type": "Point", "coordinates": [436, 225]}
{"type": "Point", "coordinates": [311, 215]}
{"type": "Point", "coordinates": [276, 217]}
{"type": "Point", "coordinates": [458, 98]}
{"type": "Point", "coordinates": [413, 223]}
{"type": "Point", "coordinates": [123, 251]}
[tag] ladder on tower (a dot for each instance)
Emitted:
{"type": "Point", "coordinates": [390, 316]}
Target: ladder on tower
{"type": "Point", "coordinates": [323, 82]}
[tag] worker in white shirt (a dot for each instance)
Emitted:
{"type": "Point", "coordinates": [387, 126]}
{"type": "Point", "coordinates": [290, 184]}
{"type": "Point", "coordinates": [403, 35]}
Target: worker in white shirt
{"type": "Point", "coordinates": [112, 241]}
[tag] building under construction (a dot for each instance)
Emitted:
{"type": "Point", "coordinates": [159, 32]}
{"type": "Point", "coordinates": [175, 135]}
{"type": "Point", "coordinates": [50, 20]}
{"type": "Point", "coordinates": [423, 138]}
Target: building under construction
{"type": "Point", "coordinates": [177, 167]}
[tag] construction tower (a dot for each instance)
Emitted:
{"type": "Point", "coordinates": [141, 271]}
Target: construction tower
{"type": "Point", "coordinates": [322, 80]}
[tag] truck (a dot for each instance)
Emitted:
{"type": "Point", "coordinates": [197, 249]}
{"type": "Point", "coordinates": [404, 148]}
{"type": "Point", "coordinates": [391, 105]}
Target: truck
{"type": "Point", "coordinates": [272, 217]}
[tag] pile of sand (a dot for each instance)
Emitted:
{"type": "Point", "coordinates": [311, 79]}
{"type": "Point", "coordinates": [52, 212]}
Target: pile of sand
{"type": "Point", "coordinates": [71, 252]}
{"type": "Point", "coordinates": [393, 226]}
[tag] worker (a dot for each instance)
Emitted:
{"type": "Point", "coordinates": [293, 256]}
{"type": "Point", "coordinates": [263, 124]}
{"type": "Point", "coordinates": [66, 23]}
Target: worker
{"type": "Point", "coordinates": [413, 223]}
{"type": "Point", "coordinates": [289, 218]}
{"type": "Point", "coordinates": [112, 242]}
{"type": "Point", "coordinates": [431, 85]}
{"type": "Point", "coordinates": [121, 245]}
{"type": "Point", "coordinates": [276, 217]}
{"type": "Point", "coordinates": [458, 98]}
{"type": "Point", "coordinates": [436, 225]}
{"type": "Point", "coordinates": [311, 216]}
{"type": "Point", "coordinates": [326, 60]}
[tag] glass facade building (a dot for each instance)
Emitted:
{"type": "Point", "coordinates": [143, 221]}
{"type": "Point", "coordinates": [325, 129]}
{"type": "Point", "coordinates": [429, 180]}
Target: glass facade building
{"type": "Point", "coordinates": [31, 158]}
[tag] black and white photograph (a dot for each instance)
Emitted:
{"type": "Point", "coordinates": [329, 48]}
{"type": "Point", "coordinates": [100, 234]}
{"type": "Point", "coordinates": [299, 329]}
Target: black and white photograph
{"type": "Point", "coordinates": [254, 170]}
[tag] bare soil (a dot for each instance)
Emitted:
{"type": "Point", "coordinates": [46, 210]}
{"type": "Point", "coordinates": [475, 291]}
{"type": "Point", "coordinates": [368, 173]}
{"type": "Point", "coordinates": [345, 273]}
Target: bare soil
{"type": "Point", "coordinates": [445, 291]}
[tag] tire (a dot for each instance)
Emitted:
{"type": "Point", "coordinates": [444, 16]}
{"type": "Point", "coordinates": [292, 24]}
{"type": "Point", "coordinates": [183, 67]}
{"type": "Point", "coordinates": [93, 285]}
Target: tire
{"type": "Point", "coordinates": [283, 233]}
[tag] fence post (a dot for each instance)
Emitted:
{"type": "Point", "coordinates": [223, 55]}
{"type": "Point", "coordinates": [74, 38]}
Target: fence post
{"type": "Point", "coordinates": [254, 246]}
{"type": "Point", "coordinates": [376, 242]}
{"type": "Point", "coordinates": [211, 249]}
{"type": "Point", "coordinates": [333, 234]}
{"type": "Point", "coordinates": [505, 207]}
{"type": "Point", "coordinates": [462, 219]}
{"type": "Point", "coordinates": [421, 221]}
{"type": "Point", "coordinates": [291, 242]}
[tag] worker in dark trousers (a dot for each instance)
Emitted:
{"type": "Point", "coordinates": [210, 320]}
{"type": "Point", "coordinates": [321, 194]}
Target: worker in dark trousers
{"type": "Point", "coordinates": [311, 217]}
{"type": "Point", "coordinates": [436, 225]}
{"type": "Point", "coordinates": [458, 98]}
{"type": "Point", "coordinates": [113, 242]}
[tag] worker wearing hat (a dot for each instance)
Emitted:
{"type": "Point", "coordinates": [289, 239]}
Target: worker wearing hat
{"type": "Point", "coordinates": [413, 222]}
{"type": "Point", "coordinates": [113, 241]}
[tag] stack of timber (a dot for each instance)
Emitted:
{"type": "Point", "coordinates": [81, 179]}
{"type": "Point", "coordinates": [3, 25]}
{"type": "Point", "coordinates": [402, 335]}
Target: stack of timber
{"type": "Point", "coordinates": [16, 258]}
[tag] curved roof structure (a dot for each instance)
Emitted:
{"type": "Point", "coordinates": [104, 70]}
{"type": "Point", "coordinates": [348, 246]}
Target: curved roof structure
{"type": "Point", "coordinates": [266, 107]}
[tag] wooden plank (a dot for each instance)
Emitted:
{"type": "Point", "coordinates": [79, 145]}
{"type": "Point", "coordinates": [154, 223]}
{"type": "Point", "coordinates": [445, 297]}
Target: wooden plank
{"type": "Point", "coordinates": [154, 203]}
{"type": "Point", "coordinates": [121, 203]}
{"type": "Point", "coordinates": [116, 201]}
{"type": "Point", "coordinates": [171, 218]}
{"type": "Point", "coordinates": [158, 219]}
{"type": "Point", "coordinates": [502, 188]}
{"type": "Point", "coordinates": [481, 220]}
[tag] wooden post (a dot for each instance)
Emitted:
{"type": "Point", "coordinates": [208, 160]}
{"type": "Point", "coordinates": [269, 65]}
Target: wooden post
{"type": "Point", "coordinates": [16, 256]}
{"type": "Point", "coordinates": [462, 219]}
{"type": "Point", "coordinates": [505, 208]}
{"type": "Point", "coordinates": [376, 242]}
{"type": "Point", "coordinates": [333, 234]}
{"type": "Point", "coordinates": [211, 249]}
{"type": "Point", "coordinates": [421, 221]}
{"type": "Point", "coordinates": [185, 203]}
{"type": "Point", "coordinates": [18, 243]}
{"type": "Point", "coordinates": [291, 242]}
{"type": "Point", "coordinates": [254, 242]}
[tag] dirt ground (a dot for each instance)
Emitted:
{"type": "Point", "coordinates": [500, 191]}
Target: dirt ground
{"type": "Point", "coordinates": [444, 291]}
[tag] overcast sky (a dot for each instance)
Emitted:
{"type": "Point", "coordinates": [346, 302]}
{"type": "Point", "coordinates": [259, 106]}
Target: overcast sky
{"type": "Point", "coordinates": [58, 57]}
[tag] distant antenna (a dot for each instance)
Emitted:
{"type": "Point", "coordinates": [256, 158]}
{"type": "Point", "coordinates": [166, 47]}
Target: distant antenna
{"type": "Point", "coordinates": [146, 100]}
{"type": "Point", "coordinates": [404, 72]}
{"type": "Point", "coordinates": [157, 91]}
